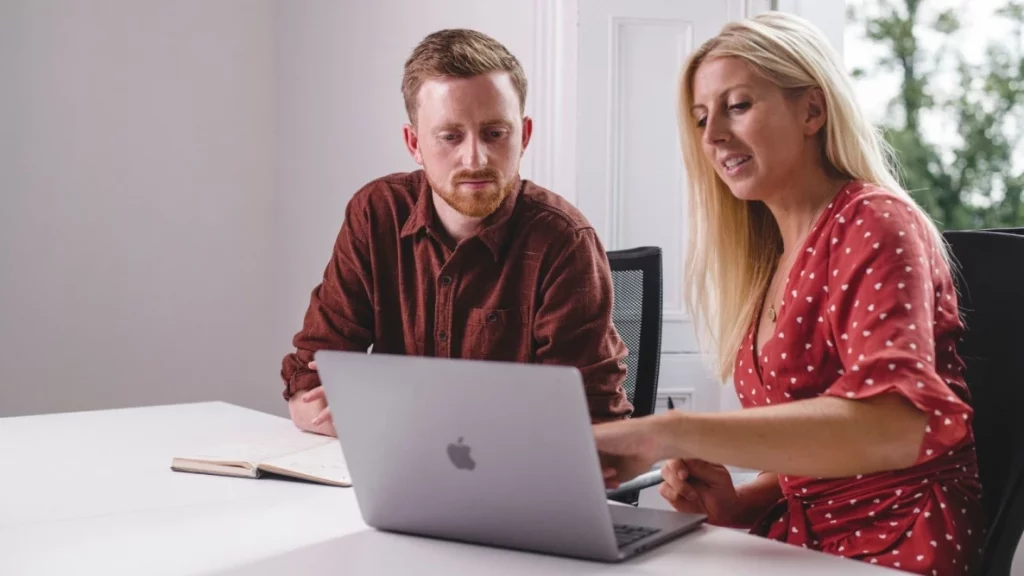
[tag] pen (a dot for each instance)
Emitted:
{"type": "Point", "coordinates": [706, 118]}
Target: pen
{"type": "Point", "coordinates": [652, 478]}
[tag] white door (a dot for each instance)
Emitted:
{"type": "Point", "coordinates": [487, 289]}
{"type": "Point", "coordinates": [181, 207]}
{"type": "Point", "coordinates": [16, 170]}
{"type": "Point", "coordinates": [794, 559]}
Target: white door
{"type": "Point", "coordinates": [630, 181]}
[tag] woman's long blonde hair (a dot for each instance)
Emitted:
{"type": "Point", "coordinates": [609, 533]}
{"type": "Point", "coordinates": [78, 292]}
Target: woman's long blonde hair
{"type": "Point", "coordinates": [734, 245]}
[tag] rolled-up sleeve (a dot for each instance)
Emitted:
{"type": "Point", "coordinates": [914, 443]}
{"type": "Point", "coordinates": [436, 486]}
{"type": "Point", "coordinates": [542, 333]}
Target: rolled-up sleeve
{"type": "Point", "coordinates": [883, 267]}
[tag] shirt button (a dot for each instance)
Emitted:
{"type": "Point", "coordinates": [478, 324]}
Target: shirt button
{"type": "Point", "coordinates": [492, 317]}
{"type": "Point", "coordinates": [446, 280]}
{"type": "Point", "coordinates": [442, 336]}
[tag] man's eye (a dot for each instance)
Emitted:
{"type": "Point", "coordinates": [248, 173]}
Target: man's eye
{"type": "Point", "coordinates": [449, 137]}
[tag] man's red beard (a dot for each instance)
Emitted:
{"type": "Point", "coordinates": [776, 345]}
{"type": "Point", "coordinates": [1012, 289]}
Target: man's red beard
{"type": "Point", "coordinates": [475, 203]}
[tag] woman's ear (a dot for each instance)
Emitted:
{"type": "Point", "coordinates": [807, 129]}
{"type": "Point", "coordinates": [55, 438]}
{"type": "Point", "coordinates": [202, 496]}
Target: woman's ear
{"type": "Point", "coordinates": [816, 110]}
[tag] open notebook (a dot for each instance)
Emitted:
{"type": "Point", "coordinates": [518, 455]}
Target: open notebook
{"type": "Point", "coordinates": [296, 454]}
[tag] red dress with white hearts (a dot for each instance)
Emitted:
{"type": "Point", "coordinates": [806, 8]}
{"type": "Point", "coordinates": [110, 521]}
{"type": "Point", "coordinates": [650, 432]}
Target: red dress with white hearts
{"type": "Point", "coordinates": [869, 308]}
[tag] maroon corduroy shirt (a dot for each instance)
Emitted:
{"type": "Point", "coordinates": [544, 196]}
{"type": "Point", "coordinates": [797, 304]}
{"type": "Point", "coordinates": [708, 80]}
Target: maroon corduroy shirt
{"type": "Point", "coordinates": [532, 286]}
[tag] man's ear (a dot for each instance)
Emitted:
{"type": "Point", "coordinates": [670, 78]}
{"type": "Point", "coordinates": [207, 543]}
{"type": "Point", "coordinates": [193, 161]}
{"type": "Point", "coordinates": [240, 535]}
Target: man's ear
{"type": "Point", "coordinates": [816, 111]}
{"type": "Point", "coordinates": [412, 143]}
{"type": "Point", "coordinates": [527, 133]}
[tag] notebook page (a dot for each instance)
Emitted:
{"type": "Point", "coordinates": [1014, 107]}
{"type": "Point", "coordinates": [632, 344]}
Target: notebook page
{"type": "Point", "coordinates": [324, 461]}
{"type": "Point", "coordinates": [263, 449]}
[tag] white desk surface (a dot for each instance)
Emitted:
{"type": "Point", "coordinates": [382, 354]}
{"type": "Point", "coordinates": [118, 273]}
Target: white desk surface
{"type": "Point", "coordinates": [93, 493]}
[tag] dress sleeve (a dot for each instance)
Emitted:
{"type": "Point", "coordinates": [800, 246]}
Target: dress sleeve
{"type": "Point", "coordinates": [883, 268]}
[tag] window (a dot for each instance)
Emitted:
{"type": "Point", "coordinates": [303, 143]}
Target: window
{"type": "Point", "coordinates": [946, 84]}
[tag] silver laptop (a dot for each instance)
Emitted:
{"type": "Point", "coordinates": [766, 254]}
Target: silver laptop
{"type": "Point", "coordinates": [499, 454]}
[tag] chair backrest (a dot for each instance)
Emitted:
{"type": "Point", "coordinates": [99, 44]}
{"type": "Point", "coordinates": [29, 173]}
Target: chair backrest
{"type": "Point", "coordinates": [1015, 231]}
{"type": "Point", "coordinates": [990, 282]}
{"type": "Point", "coordinates": [636, 313]}
{"type": "Point", "coordinates": [1001, 559]}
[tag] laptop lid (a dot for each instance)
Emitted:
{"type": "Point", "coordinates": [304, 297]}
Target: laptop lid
{"type": "Point", "coordinates": [487, 452]}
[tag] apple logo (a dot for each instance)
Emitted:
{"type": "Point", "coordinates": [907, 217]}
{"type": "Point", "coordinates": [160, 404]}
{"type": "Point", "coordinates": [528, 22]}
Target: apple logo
{"type": "Point", "coordinates": [459, 455]}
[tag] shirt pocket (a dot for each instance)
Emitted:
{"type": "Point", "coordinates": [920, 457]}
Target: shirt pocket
{"type": "Point", "coordinates": [500, 334]}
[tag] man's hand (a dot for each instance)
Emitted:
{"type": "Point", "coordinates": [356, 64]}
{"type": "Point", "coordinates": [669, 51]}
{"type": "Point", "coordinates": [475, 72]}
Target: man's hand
{"type": "Point", "coordinates": [309, 410]}
{"type": "Point", "coordinates": [699, 487]}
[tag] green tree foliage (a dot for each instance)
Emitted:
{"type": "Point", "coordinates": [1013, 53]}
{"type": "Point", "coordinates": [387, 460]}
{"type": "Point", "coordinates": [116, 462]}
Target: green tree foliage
{"type": "Point", "coordinates": [974, 183]}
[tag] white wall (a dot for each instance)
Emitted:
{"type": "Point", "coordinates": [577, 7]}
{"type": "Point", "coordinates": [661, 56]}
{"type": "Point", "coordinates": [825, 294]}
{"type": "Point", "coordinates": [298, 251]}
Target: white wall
{"type": "Point", "coordinates": [136, 179]}
{"type": "Point", "coordinates": [829, 15]}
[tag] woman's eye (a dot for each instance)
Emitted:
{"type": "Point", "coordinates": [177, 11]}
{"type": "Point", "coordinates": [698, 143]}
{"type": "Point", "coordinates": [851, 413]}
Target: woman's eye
{"type": "Point", "coordinates": [702, 121]}
{"type": "Point", "coordinates": [740, 106]}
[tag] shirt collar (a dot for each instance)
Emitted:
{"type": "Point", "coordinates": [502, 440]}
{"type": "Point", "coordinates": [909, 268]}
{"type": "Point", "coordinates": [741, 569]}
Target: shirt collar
{"type": "Point", "coordinates": [423, 211]}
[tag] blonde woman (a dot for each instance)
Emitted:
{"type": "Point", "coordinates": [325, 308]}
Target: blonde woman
{"type": "Point", "coordinates": [826, 295]}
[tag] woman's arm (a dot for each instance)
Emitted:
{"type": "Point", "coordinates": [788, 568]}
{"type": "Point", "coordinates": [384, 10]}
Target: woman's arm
{"type": "Point", "coordinates": [823, 437]}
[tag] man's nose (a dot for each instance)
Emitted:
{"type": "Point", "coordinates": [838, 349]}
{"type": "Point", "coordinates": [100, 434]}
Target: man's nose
{"type": "Point", "coordinates": [474, 153]}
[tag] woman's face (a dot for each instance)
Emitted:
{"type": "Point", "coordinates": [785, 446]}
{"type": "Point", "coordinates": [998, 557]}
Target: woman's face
{"type": "Point", "coordinates": [758, 138]}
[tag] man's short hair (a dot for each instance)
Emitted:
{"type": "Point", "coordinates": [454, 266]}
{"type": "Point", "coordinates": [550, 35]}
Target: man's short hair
{"type": "Point", "coordinates": [458, 53]}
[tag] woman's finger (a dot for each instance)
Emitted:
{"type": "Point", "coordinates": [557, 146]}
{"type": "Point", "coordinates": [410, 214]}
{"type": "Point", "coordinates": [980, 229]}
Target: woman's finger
{"type": "Point", "coordinates": [688, 492]}
{"type": "Point", "coordinates": [680, 468]}
{"type": "Point", "coordinates": [675, 473]}
{"type": "Point", "coordinates": [686, 506]}
{"type": "Point", "coordinates": [708, 473]}
{"type": "Point", "coordinates": [668, 492]}
{"type": "Point", "coordinates": [669, 476]}
{"type": "Point", "coordinates": [675, 489]}
{"type": "Point", "coordinates": [312, 365]}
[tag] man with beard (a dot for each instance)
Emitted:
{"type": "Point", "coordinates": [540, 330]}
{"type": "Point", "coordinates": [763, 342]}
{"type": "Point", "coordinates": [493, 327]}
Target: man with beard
{"type": "Point", "coordinates": [463, 259]}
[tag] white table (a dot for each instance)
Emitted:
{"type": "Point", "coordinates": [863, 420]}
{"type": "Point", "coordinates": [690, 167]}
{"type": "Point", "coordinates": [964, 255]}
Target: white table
{"type": "Point", "coordinates": [92, 493]}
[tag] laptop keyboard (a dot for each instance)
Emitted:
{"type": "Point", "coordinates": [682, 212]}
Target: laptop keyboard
{"type": "Point", "coordinates": [626, 535]}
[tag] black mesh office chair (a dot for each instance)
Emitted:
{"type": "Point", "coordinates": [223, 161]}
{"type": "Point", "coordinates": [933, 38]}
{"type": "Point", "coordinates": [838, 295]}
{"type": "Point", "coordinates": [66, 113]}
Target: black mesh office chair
{"type": "Point", "coordinates": [636, 276]}
{"type": "Point", "coordinates": [991, 287]}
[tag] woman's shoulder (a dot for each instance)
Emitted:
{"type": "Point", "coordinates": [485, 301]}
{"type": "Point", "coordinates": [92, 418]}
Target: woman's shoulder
{"type": "Point", "coordinates": [864, 199]}
{"type": "Point", "coordinates": [867, 215]}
